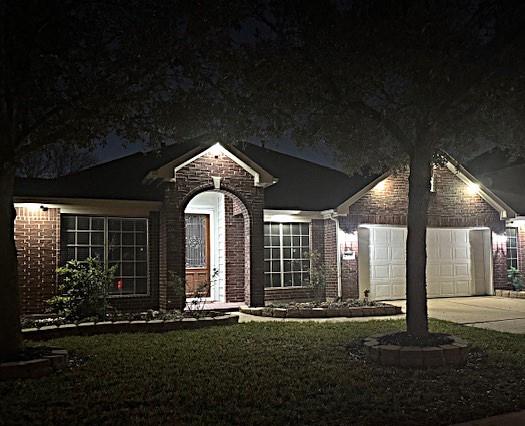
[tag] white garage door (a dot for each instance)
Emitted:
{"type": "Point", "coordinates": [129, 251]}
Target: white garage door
{"type": "Point", "coordinates": [449, 264]}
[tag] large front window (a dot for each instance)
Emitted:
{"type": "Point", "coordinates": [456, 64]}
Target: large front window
{"type": "Point", "coordinates": [286, 254]}
{"type": "Point", "coordinates": [512, 247]}
{"type": "Point", "coordinates": [122, 242]}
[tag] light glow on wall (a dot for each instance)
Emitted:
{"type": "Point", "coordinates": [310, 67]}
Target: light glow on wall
{"type": "Point", "coordinates": [348, 243]}
{"type": "Point", "coordinates": [500, 242]}
{"type": "Point", "coordinates": [381, 186]}
{"type": "Point", "coordinates": [473, 188]}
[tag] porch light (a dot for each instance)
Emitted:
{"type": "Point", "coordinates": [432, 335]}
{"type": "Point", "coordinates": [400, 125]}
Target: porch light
{"type": "Point", "coordinates": [500, 242]}
{"type": "Point", "coordinates": [473, 188]}
{"type": "Point", "coordinates": [216, 150]}
{"type": "Point", "coordinates": [380, 186]}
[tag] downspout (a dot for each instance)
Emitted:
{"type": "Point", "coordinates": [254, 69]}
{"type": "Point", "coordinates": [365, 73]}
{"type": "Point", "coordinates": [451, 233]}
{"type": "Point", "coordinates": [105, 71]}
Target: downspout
{"type": "Point", "coordinates": [334, 217]}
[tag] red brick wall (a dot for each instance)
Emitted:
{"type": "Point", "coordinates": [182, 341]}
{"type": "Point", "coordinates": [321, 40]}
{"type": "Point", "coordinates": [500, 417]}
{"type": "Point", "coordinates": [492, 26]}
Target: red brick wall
{"type": "Point", "coordinates": [192, 179]}
{"type": "Point", "coordinates": [451, 205]}
{"type": "Point", "coordinates": [37, 235]}
{"type": "Point", "coordinates": [235, 263]}
{"type": "Point", "coordinates": [282, 294]}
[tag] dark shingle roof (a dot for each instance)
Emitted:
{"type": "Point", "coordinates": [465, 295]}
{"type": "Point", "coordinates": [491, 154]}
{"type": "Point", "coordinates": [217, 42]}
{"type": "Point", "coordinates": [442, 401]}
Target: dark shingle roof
{"type": "Point", "coordinates": [302, 185]}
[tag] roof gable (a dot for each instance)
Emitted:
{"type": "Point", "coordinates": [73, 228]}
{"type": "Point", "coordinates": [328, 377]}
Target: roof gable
{"type": "Point", "coordinates": [454, 167]}
{"type": "Point", "coordinates": [168, 171]}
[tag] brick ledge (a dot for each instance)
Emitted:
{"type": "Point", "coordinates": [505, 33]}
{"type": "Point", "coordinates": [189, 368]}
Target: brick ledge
{"type": "Point", "coordinates": [153, 326]}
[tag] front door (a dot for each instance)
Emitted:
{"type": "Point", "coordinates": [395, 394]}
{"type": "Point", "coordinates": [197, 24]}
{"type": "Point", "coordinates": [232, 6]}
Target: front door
{"type": "Point", "coordinates": [197, 255]}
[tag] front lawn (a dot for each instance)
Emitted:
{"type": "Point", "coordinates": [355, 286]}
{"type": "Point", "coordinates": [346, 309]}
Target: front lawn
{"type": "Point", "coordinates": [266, 373]}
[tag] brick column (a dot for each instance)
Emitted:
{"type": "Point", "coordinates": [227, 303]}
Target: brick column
{"type": "Point", "coordinates": [37, 237]}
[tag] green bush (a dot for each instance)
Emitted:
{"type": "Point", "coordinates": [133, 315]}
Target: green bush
{"type": "Point", "coordinates": [83, 290]}
{"type": "Point", "coordinates": [516, 279]}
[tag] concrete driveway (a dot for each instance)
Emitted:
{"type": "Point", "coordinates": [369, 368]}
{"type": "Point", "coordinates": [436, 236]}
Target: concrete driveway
{"type": "Point", "coordinates": [490, 312]}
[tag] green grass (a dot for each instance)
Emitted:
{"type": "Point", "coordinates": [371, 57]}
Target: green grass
{"type": "Point", "coordinates": [266, 373]}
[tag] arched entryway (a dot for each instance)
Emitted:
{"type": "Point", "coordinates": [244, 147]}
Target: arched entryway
{"type": "Point", "coordinates": [217, 247]}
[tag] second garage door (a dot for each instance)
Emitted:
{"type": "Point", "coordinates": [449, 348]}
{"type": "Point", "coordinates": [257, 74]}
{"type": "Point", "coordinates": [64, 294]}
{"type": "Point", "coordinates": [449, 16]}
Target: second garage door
{"type": "Point", "coordinates": [450, 264]}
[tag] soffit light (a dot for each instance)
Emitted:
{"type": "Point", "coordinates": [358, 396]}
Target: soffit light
{"type": "Point", "coordinates": [473, 188]}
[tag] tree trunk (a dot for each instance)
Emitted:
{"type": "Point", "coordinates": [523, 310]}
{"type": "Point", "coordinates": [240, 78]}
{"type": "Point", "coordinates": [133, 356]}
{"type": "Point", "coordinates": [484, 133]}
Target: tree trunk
{"type": "Point", "coordinates": [416, 286]}
{"type": "Point", "coordinates": [10, 335]}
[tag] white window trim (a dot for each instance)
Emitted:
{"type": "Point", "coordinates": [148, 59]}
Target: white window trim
{"type": "Point", "coordinates": [281, 255]}
{"type": "Point", "coordinates": [106, 252]}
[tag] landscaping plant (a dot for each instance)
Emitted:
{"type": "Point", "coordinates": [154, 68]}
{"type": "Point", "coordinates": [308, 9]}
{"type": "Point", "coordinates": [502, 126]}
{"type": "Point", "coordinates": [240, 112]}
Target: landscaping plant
{"type": "Point", "coordinates": [515, 278]}
{"type": "Point", "coordinates": [83, 290]}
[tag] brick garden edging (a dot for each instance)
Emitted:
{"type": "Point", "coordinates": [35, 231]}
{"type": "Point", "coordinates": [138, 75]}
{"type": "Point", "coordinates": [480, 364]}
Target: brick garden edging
{"type": "Point", "coordinates": [511, 293]}
{"type": "Point", "coordinates": [348, 312]}
{"type": "Point", "coordinates": [34, 368]}
{"type": "Point", "coordinates": [452, 354]}
{"type": "Point", "coordinates": [153, 326]}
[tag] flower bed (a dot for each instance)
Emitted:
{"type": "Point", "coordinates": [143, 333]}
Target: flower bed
{"type": "Point", "coordinates": [399, 350]}
{"type": "Point", "coordinates": [156, 325]}
{"type": "Point", "coordinates": [34, 363]}
{"type": "Point", "coordinates": [349, 308]}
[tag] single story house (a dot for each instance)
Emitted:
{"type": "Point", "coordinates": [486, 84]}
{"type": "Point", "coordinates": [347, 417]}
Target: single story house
{"type": "Point", "coordinates": [239, 224]}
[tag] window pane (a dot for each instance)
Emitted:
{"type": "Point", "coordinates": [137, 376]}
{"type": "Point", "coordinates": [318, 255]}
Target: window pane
{"type": "Point", "coordinates": [128, 269]}
{"type": "Point", "coordinates": [287, 241]}
{"type": "Point", "coordinates": [114, 253]}
{"type": "Point", "coordinates": [141, 269]}
{"type": "Point", "coordinates": [141, 285]}
{"type": "Point", "coordinates": [97, 253]}
{"type": "Point", "coordinates": [297, 280]}
{"type": "Point", "coordinates": [70, 238]}
{"type": "Point", "coordinates": [83, 222]}
{"type": "Point", "coordinates": [275, 229]}
{"type": "Point", "coordinates": [267, 280]}
{"type": "Point", "coordinates": [286, 229]}
{"type": "Point", "coordinates": [83, 238]}
{"type": "Point", "coordinates": [82, 253]}
{"type": "Point", "coordinates": [276, 266]}
{"type": "Point", "coordinates": [69, 222]}
{"type": "Point", "coordinates": [128, 253]}
{"type": "Point", "coordinates": [97, 238]}
{"type": "Point", "coordinates": [288, 280]}
{"type": "Point", "coordinates": [70, 254]}
{"type": "Point", "coordinates": [97, 223]}
{"type": "Point", "coordinates": [114, 224]}
{"type": "Point", "coordinates": [140, 253]}
{"type": "Point", "coordinates": [128, 239]}
{"type": "Point", "coordinates": [275, 241]}
{"type": "Point", "coordinates": [114, 238]}
{"type": "Point", "coordinates": [128, 225]}
{"type": "Point", "coordinates": [140, 238]}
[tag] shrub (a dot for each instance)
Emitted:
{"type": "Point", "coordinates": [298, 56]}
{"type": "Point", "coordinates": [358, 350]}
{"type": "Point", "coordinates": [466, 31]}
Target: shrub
{"type": "Point", "coordinates": [515, 278]}
{"type": "Point", "coordinates": [83, 289]}
{"type": "Point", "coordinates": [318, 272]}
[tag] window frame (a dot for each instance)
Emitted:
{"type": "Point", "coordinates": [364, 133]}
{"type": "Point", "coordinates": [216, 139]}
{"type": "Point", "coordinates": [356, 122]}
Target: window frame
{"type": "Point", "coordinates": [271, 247]}
{"type": "Point", "coordinates": [105, 261]}
{"type": "Point", "coordinates": [514, 238]}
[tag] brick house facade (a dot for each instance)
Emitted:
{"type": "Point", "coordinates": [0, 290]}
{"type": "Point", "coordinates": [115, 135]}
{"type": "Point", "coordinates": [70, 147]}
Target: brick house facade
{"type": "Point", "coordinates": [256, 189]}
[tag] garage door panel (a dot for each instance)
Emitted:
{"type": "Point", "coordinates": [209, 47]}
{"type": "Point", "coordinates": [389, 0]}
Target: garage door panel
{"type": "Point", "coordinates": [462, 270]}
{"type": "Point", "coordinates": [380, 272]}
{"type": "Point", "coordinates": [398, 271]}
{"type": "Point", "coordinates": [398, 253]}
{"type": "Point", "coordinates": [461, 253]}
{"type": "Point", "coordinates": [448, 262]}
